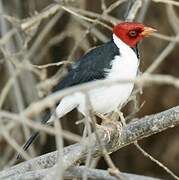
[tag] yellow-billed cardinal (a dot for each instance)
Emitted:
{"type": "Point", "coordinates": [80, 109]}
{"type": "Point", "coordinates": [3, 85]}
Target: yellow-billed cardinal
{"type": "Point", "coordinates": [115, 59]}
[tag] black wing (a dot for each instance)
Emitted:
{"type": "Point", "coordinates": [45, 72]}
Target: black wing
{"type": "Point", "coordinates": [91, 66]}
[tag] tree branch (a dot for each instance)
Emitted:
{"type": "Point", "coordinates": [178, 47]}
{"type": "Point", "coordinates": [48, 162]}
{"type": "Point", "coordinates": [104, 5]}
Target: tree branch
{"type": "Point", "coordinates": [112, 137]}
{"type": "Point", "coordinates": [77, 172]}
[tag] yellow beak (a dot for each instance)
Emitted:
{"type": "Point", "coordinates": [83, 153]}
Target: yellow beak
{"type": "Point", "coordinates": [148, 31]}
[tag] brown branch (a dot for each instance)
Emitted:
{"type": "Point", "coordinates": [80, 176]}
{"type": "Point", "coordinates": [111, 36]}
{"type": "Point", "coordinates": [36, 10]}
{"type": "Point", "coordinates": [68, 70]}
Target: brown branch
{"type": "Point", "coordinates": [135, 5]}
{"type": "Point", "coordinates": [77, 172]}
{"type": "Point", "coordinates": [167, 2]}
{"type": "Point", "coordinates": [28, 24]}
{"type": "Point", "coordinates": [112, 139]}
{"type": "Point", "coordinates": [49, 101]}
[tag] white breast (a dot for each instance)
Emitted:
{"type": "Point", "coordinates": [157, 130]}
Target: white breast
{"type": "Point", "coordinates": [107, 99]}
{"type": "Point", "coordinates": [124, 66]}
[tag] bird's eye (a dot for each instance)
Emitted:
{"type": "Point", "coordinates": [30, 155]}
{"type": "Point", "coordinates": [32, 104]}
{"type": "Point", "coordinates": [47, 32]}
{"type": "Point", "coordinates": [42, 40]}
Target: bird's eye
{"type": "Point", "coordinates": [133, 33]}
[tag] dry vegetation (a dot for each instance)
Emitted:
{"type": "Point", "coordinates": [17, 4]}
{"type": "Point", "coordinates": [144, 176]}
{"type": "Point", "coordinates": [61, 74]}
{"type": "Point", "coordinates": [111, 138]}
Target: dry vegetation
{"type": "Point", "coordinates": [38, 41]}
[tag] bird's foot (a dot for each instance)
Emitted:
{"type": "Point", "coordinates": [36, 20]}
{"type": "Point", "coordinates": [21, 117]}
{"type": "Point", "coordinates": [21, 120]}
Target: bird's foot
{"type": "Point", "coordinates": [121, 115]}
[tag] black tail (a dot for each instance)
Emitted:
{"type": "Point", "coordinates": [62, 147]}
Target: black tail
{"type": "Point", "coordinates": [28, 143]}
{"type": "Point", "coordinates": [34, 135]}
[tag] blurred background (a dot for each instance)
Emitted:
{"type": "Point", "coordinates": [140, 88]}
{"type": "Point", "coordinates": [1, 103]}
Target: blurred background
{"type": "Point", "coordinates": [65, 37]}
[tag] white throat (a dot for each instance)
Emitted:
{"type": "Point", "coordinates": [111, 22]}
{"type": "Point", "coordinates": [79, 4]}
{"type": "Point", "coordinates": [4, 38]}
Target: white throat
{"type": "Point", "coordinates": [119, 43]}
{"type": "Point", "coordinates": [124, 65]}
{"type": "Point", "coordinates": [125, 51]}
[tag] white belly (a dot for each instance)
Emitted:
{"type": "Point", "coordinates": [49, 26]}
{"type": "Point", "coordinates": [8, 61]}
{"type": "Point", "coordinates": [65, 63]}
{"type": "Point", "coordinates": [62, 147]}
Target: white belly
{"type": "Point", "coordinates": [107, 99]}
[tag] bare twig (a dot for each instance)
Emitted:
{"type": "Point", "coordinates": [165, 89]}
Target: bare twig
{"type": "Point", "coordinates": [133, 10]}
{"type": "Point", "coordinates": [6, 116]}
{"type": "Point", "coordinates": [76, 172]}
{"type": "Point", "coordinates": [37, 107]}
{"type": "Point", "coordinates": [136, 130]}
{"type": "Point", "coordinates": [156, 161]}
{"type": "Point", "coordinates": [172, 2]}
{"type": "Point", "coordinates": [162, 56]}
{"type": "Point", "coordinates": [50, 64]}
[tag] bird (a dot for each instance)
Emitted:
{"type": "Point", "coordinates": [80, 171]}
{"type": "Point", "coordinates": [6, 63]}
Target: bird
{"type": "Point", "coordinates": [115, 59]}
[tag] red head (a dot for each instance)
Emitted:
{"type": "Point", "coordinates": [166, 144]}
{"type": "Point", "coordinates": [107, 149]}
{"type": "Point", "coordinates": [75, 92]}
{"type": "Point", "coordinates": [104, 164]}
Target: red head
{"type": "Point", "coordinates": [132, 32]}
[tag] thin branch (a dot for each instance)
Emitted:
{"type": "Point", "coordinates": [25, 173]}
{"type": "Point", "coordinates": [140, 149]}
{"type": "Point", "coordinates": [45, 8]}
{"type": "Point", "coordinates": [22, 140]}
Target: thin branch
{"type": "Point", "coordinates": [112, 168]}
{"type": "Point", "coordinates": [136, 4]}
{"type": "Point", "coordinates": [113, 6]}
{"type": "Point", "coordinates": [49, 101]}
{"type": "Point", "coordinates": [111, 138]}
{"type": "Point", "coordinates": [162, 55]}
{"type": "Point", "coordinates": [76, 172]}
{"type": "Point", "coordinates": [7, 116]}
{"type": "Point", "coordinates": [165, 37]}
{"type": "Point", "coordinates": [29, 23]}
{"type": "Point", "coordinates": [12, 142]}
{"type": "Point", "coordinates": [50, 64]}
{"type": "Point", "coordinates": [146, 154]}
{"type": "Point", "coordinates": [172, 2]}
